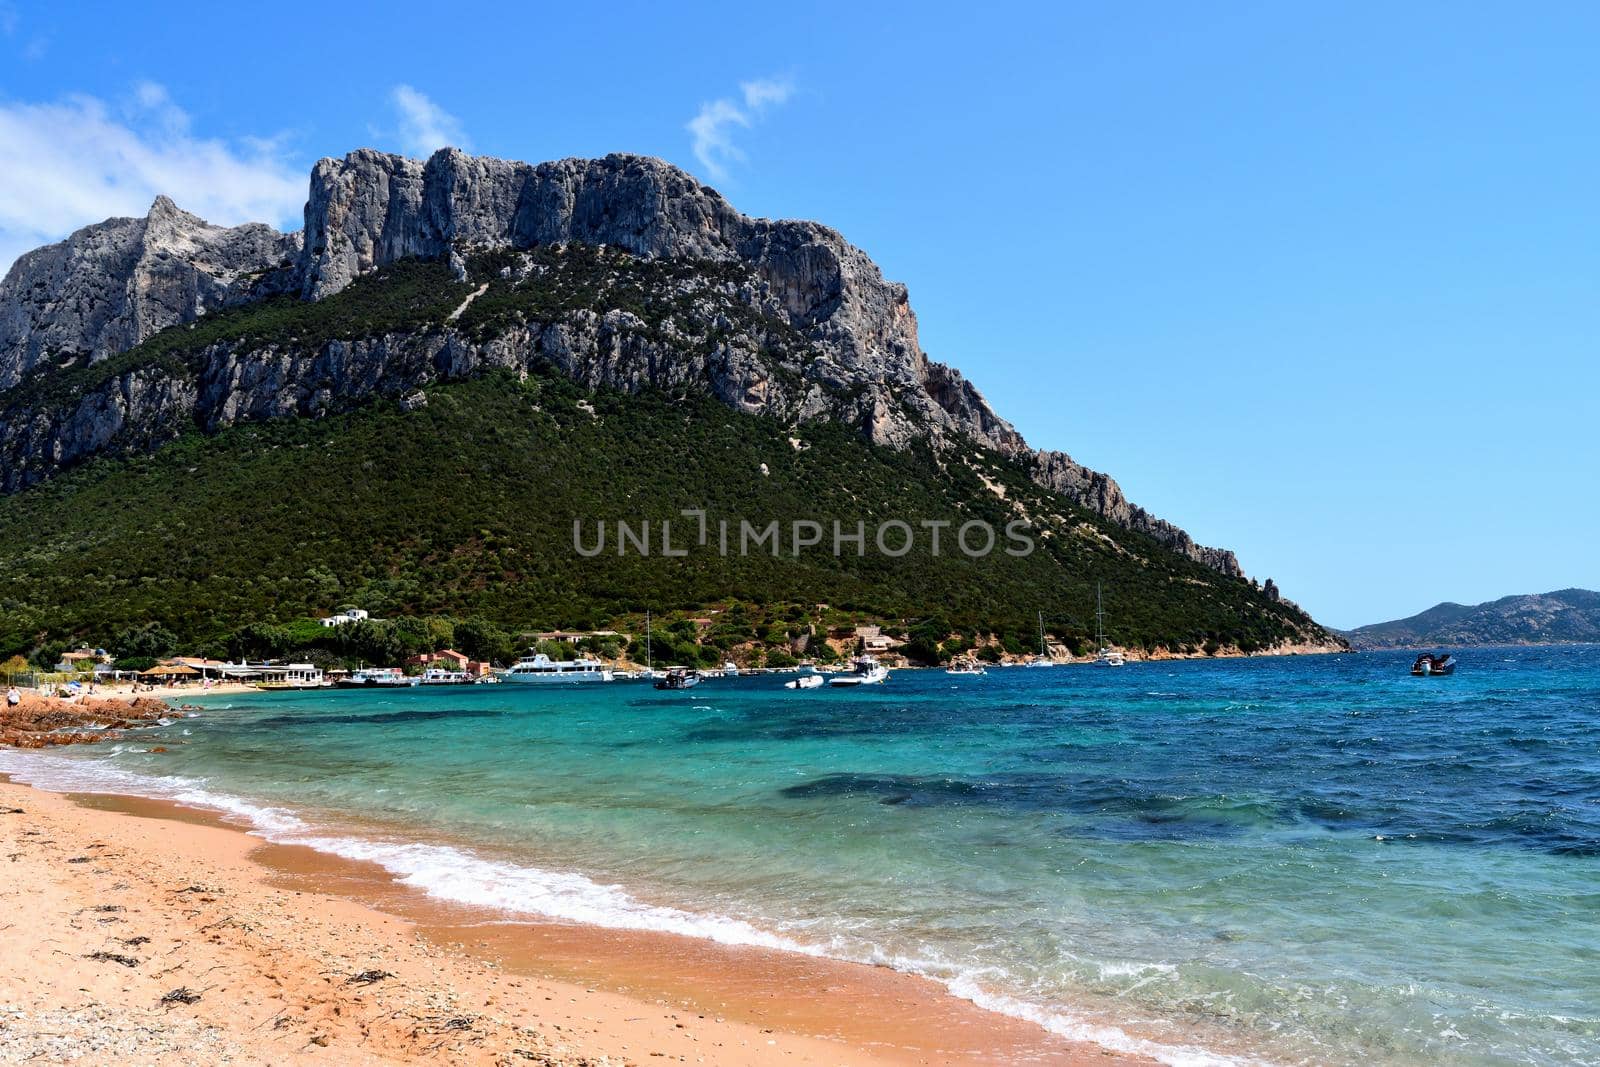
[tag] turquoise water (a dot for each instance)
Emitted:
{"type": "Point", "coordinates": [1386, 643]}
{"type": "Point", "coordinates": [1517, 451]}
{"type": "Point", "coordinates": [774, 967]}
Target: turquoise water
{"type": "Point", "coordinates": [1314, 859]}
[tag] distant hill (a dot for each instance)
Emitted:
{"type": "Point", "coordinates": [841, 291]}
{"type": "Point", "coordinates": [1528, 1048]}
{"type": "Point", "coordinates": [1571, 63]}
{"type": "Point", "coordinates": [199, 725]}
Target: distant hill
{"type": "Point", "coordinates": [1564, 616]}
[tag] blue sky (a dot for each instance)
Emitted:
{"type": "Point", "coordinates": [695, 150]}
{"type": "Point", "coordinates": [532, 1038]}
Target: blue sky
{"type": "Point", "coordinates": [1320, 283]}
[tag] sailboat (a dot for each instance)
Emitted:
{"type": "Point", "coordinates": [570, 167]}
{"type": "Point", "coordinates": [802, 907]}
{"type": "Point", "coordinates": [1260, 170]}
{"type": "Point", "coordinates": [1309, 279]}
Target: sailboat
{"type": "Point", "coordinates": [1044, 656]}
{"type": "Point", "coordinates": [649, 652]}
{"type": "Point", "coordinates": [1108, 657]}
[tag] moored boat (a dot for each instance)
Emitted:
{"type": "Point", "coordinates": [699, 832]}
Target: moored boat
{"type": "Point", "coordinates": [805, 681]}
{"type": "Point", "coordinates": [374, 677]}
{"type": "Point", "coordinates": [1107, 656]}
{"type": "Point", "coordinates": [1043, 659]}
{"type": "Point", "coordinates": [865, 671]}
{"type": "Point", "coordinates": [540, 669]}
{"type": "Point", "coordinates": [678, 678]}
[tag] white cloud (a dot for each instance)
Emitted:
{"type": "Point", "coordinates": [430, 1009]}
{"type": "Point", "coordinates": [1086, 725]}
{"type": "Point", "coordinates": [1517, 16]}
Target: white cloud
{"type": "Point", "coordinates": [711, 131]}
{"type": "Point", "coordinates": [765, 92]}
{"type": "Point", "coordinates": [80, 161]}
{"type": "Point", "coordinates": [425, 127]}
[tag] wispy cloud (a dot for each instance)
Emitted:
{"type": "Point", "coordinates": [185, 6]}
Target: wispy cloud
{"type": "Point", "coordinates": [425, 127]}
{"type": "Point", "coordinates": [711, 131]}
{"type": "Point", "coordinates": [81, 160]}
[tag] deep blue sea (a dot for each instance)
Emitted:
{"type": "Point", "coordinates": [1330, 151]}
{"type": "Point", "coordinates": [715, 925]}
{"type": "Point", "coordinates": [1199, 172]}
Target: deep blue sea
{"type": "Point", "coordinates": [1296, 860]}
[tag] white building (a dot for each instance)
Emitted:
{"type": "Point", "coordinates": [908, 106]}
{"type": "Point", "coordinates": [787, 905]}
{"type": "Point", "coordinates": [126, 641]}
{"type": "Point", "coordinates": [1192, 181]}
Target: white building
{"type": "Point", "coordinates": [345, 615]}
{"type": "Point", "coordinates": [295, 675]}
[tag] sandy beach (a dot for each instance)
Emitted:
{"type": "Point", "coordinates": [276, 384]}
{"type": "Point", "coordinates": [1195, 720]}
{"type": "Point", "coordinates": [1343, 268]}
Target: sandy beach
{"type": "Point", "coordinates": [138, 931]}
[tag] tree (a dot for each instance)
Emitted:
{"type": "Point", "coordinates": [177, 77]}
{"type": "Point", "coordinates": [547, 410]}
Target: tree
{"type": "Point", "coordinates": [152, 640]}
{"type": "Point", "coordinates": [14, 666]}
{"type": "Point", "coordinates": [260, 641]}
{"type": "Point", "coordinates": [482, 640]}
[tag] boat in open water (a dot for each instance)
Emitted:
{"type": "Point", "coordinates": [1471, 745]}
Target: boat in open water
{"type": "Point", "coordinates": [536, 668]}
{"type": "Point", "coordinates": [1429, 665]}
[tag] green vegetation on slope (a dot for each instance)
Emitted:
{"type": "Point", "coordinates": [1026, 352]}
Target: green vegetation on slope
{"type": "Point", "coordinates": [466, 508]}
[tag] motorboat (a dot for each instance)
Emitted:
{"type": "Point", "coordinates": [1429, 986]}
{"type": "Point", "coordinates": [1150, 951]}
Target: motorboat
{"type": "Point", "coordinates": [864, 671]}
{"type": "Point", "coordinates": [536, 668]}
{"type": "Point", "coordinates": [805, 681]}
{"type": "Point", "coordinates": [678, 678]}
{"type": "Point", "coordinates": [1428, 665]}
{"type": "Point", "coordinates": [966, 670]}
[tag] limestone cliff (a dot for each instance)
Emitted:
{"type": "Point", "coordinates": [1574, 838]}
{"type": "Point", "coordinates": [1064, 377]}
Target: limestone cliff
{"type": "Point", "coordinates": [801, 324]}
{"type": "Point", "coordinates": [111, 285]}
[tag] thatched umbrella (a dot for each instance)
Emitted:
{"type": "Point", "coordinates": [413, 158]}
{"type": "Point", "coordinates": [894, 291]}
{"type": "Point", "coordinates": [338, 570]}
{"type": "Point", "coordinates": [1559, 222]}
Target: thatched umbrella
{"type": "Point", "coordinates": [168, 671]}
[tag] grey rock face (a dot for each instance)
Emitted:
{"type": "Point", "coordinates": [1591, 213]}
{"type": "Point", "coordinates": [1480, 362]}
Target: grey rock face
{"type": "Point", "coordinates": [107, 287]}
{"type": "Point", "coordinates": [1100, 493]}
{"type": "Point", "coordinates": [111, 285]}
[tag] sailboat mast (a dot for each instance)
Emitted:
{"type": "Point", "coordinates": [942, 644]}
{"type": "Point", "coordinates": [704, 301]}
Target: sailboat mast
{"type": "Point", "coordinates": [1099, 617]}
{"type": "Point", "coordinates": [1041, 633]}
{"type": "Point", "coordinates": [649, 658]}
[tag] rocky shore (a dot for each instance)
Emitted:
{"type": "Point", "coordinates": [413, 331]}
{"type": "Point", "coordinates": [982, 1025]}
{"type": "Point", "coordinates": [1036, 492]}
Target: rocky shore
{"type": "Point", "coordinates": [39, 722]}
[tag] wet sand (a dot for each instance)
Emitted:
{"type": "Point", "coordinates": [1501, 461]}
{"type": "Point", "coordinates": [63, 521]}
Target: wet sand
{"type": "Point", "coordinates": [271, 936]}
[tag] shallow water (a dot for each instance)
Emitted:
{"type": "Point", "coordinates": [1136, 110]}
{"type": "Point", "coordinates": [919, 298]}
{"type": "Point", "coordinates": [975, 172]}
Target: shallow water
{"type": "Point", "coordinates": [1315, 859]}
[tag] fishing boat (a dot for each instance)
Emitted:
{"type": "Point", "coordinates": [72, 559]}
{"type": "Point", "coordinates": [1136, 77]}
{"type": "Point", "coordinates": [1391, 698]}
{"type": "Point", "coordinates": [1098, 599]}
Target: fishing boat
{"type": "Point", "coordinates": [865, 671]}
{"type": "Point", "coordinates": [805, 681]}
{"type": "Point", "coordinates": [1043, 659]}
{"type": "Point", "coordinates": [1428, 665]}
{"type": "Point", "coordinates": [536, 668]}
{"type": "Point", "coordinates": [1107, 656]}
{"type": "Point", "coordinates": [678, 678]}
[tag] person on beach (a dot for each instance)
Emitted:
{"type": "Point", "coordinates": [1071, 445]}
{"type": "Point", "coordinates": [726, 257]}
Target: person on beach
{"type": "Point", "coordinates": [13, 697]}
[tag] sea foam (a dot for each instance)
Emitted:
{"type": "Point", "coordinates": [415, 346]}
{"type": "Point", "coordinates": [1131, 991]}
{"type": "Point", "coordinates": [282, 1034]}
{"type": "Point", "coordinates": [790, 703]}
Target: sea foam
{"type": "Point", "coordinates": [457, 875]}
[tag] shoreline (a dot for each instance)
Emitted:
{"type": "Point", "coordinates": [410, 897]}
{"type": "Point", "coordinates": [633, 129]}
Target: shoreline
{"type": "Point", "coordinates": [638, 990]}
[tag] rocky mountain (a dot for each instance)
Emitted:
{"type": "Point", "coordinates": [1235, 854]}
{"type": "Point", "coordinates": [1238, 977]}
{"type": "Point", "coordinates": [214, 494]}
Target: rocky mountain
{"type": "Point", "coordinates": [625, 272]}
{"type": "Point", "coordinates": [1564, 616]}
{"type": "Point", "coordinates": [109, 286]}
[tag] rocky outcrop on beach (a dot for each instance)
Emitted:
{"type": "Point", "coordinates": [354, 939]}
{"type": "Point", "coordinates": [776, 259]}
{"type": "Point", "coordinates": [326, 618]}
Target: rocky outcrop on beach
{"type": "Point", "coordinates": [804, 326]}
{"type": "Point", "coordinates": [41, 722]}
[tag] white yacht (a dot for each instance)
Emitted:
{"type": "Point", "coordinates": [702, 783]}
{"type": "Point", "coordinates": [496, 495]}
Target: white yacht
{"type": "Point", "coordinates": [536, 668]}
{"type": "Point", "coordinates": [865, 671]}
